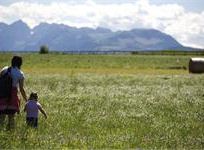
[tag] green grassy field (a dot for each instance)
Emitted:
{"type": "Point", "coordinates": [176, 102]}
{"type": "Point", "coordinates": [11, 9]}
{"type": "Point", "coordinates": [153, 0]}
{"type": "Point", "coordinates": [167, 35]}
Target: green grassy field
{"type": "Point", "coordinates": [110, 101]}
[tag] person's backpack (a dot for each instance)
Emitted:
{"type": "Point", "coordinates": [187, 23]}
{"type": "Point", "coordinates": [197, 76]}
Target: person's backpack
{"type": "Point", "coordinates": [6, 84]}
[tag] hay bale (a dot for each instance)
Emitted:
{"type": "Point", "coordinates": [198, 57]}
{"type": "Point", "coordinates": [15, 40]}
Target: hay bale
{"type": "Point", "coordinates": [196, 65]}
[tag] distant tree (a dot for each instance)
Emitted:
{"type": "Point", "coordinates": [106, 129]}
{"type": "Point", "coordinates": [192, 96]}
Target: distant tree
{"type": "Point", "coordinates": [44, 49]}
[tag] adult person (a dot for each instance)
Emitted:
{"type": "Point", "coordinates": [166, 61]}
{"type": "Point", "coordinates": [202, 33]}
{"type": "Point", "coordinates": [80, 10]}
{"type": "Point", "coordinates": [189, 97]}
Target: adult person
{"type": "Point", "coordinates": [12, 106]}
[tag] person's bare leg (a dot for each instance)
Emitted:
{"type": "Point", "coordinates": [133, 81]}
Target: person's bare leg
{"type": "Point", "coordinates": [11, 122]}
{"type": "Point", "coordinates": [2, 120]}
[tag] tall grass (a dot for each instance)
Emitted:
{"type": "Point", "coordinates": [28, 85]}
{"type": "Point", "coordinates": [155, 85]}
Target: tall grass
{"type": "Point", "coordinates": [92, 109]}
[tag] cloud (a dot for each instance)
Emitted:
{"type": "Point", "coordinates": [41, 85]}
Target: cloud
{"type": "Point", "coordinates": [186, 27]}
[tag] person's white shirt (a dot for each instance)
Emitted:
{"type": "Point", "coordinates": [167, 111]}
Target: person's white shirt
{"type": "Point", "coordinates": [16, 75]}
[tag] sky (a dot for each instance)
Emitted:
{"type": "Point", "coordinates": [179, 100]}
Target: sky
{"type": "Point", "coordinates": [182, 19]}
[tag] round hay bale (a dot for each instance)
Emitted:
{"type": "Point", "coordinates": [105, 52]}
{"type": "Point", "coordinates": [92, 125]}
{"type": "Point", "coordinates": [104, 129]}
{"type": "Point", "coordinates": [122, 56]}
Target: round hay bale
{"type": "Point", "coordinates": [196, 65]}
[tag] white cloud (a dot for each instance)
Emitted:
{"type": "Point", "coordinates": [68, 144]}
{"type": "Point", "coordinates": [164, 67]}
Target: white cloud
{"type": "Point", "coordinates": [186, 27]}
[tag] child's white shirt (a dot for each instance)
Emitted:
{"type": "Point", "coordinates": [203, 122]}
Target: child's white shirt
{"type": "Point", "coordinates": [32, 108]}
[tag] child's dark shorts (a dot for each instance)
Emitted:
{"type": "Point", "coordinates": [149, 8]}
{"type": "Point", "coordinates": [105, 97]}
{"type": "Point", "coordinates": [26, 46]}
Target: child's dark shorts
{"type": "Point", "coordinates": [33, 122]}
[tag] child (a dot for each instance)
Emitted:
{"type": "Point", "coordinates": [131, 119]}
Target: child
{"type": "Point", "coordinates": [31, 108]}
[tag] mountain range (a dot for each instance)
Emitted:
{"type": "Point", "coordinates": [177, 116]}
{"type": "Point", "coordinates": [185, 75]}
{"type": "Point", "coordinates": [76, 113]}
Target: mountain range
{"type": "Point", "coordinates": [18, 36]}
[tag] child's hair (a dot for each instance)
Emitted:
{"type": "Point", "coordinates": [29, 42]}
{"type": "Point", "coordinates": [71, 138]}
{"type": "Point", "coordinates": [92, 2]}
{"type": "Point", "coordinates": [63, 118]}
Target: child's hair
{"type": "Point", "coordinates": [33, 95]}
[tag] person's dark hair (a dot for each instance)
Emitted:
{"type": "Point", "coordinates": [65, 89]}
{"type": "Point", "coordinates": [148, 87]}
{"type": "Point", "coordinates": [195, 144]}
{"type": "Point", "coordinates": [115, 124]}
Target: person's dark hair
{"type": "Point", "coordinates": [16, 61]}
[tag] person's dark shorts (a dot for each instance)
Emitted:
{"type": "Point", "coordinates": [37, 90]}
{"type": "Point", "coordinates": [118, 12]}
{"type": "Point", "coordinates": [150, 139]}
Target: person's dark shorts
{"type": "Point", "coordinates": [33, 122]}
{"type": "Point", "coordinates": [7, 112]}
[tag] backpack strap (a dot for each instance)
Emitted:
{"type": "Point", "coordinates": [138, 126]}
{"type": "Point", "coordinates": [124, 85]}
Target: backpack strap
{"type": "Point", "coordinates": [9, 70]}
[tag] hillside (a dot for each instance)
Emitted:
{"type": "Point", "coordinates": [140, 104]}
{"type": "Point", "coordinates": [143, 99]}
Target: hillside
{"type": "Point", "coordinates": [59, 37]}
